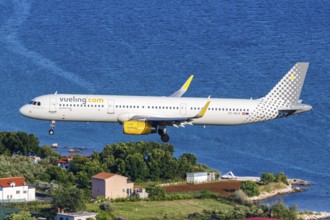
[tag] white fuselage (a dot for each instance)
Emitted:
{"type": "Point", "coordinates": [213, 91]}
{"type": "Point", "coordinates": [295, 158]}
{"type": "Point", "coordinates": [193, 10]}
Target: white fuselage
{"type": "Point", "coordinates": [108, 108]}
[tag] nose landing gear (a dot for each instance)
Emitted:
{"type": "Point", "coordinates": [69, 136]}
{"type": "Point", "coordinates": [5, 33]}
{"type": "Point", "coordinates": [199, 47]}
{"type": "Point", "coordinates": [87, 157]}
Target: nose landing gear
{"type": "Point", "coordinates": [52, 126]}
{"type": "Point", "coordinates": [163, 135]}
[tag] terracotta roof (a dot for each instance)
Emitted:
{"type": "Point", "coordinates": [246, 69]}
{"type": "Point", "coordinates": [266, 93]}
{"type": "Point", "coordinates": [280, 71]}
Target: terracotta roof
{"type": "Point", "coordinates": [137, 187]}
{"type": "Point", "coordinates": [104, 175]}
{"type": "Point", "coordinates": [19, 181]}
{"type": "Point", "coordinates": [63, 160]}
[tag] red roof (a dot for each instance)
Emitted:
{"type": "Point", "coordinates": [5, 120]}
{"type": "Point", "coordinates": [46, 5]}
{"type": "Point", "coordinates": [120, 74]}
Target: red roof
{"type": "Point", "coordinates": [137, 187]}
{"type": "Point", "coordinates": [19, 181]}
{"type": "Point", "coordinates": [63, 160]}
{"type": "Point", "coordinates": [104, 175]}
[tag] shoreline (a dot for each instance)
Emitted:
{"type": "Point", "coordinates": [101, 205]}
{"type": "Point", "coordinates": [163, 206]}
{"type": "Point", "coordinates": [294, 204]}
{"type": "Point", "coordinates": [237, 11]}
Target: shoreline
{"type": "Point", "coordinates": [266, 195]}
{"type": "Point", "coordinates": [291, 188]}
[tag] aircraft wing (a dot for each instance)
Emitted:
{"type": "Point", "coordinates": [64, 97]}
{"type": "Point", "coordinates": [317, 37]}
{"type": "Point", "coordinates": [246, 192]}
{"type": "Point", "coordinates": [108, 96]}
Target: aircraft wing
{"type": "Point", "coordinates": [184, 88]}
{"type": "Point", "coordinates": [164, 119]}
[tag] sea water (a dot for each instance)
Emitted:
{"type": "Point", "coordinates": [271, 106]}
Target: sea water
{"type": "Point", "coordinates": [236, 49]}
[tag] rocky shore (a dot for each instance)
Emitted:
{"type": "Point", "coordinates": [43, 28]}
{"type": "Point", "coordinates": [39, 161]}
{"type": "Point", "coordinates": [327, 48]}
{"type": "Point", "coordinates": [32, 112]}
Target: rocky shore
{"type": "Point", "coordinates": [286, 190]}
{"type": "Point", "coordinates": [315, 215]}
{"type": "Point", "coordinates": [292, 188]}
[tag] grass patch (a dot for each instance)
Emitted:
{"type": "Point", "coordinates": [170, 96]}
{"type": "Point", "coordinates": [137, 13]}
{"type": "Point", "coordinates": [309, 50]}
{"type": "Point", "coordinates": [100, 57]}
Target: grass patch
{"type": "Point", "coordinates": [178, 209]}
{"type": "Point", "coordinates": [271, 187]}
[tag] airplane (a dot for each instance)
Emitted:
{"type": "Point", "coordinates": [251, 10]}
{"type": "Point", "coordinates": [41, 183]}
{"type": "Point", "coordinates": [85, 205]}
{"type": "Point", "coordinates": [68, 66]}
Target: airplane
{"type": "Point", "coordinates": [141, 115]}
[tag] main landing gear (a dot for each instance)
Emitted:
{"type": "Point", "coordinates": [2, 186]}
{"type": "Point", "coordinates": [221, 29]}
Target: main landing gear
{"type": "Point", "coordinates": [52, 126]}
{"type": "Point", "coordinates": [163, 136]}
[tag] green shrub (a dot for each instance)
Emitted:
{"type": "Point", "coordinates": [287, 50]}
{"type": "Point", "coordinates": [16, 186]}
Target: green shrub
{"type": "Point", "coordinates": [240, 196]}
{"type": "Point", "coordinates": [267, 178]}
{"type": "Point", "coordinates": [250, 188]}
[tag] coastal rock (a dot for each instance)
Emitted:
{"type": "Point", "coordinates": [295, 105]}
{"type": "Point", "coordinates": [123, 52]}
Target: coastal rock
{"type": "Point", "coordinates": [315, 215]}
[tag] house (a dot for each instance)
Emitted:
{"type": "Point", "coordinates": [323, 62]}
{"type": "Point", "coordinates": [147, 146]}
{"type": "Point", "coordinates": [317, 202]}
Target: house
{"type": "Point", "coordinates": [35, 159]}
{"type": "Point", "coordinates": [140, 192]}
{"type": "Point", "coordinates": [15, 189]}
{"type": "Point", "coordinates": [200, 177]}
{"type": "Point", "coordinates": [76, 216]}
{"type": "Point", "coordinates": [64, 162]}
{"type": "Point", "coordinates": [113, 186]}
{"type": "Point", "coordinates": [211, 176]}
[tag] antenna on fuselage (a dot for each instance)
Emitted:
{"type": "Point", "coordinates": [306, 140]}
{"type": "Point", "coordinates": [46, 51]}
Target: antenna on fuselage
{"type": "Point", "coordinates": [56, 93]}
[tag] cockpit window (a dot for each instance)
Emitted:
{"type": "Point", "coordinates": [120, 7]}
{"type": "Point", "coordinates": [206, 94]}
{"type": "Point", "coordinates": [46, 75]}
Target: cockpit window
{"type": "Point", "coordinates": [35, 103]}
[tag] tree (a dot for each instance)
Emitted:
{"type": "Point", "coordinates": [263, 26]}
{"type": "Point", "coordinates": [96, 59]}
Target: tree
{"type": "Point", "coordinates": [47, 151]}
{"type": "Point", "coordinates": [61, 175]}
{"type": "Point", "coordinates": [190, 158]}
{"type": "Point", "coordinates": [155, 192]}
{"type": "Point", "coordinates": [70, 199]}
{"type": "Point", "coordinates": [280, 177]}
{"type": "Point", "coordinates": [136, 168]}
{"type": "Point", "coordinates": [83, 179]}
{"type": "Point", "coordinates": [19, 143]}
{"type": "Point", "coordinates": [267, 178]}
{"type": "Point", "coordinates": [250, 188]}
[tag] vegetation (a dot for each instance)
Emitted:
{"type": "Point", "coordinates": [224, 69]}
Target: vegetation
{"type": "Point", "coordinates": [279, 210]}
{"type": "Point", "coordinates": [69, 199]}
{"type": "Point", "coordinates": [268, 177]}
{"type": "Point", "coordinates": [271, 187]}
{"type": "Point", "coordinates": [21, 216]}
{"type": "Point", "coordinates": [147, 161]}
{"type": "Point", "coordinates": [250, 188]}
{"type": "Point", "coordinates": [141, 161]}
{"type": "Point", "coordinates": [178, 209]}
{"type": "Point", "coordinates": [20, 166]}
{"type": "Point", "coordinates": [18, 143]}
{"type": "Point", "coordinates": [240, 197]}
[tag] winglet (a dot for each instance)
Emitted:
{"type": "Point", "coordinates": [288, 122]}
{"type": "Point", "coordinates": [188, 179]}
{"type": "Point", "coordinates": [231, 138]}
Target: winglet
{"type": "Point", "coordinates": [187, 83]}
{"type": "Point", "coordinates": [204, 109]}
{"type": "Point", "coordinates": [184, 88]}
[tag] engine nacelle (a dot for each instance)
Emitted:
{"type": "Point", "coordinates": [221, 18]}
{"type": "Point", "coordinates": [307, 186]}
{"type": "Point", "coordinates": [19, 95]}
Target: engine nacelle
{"type": "Point", "coordinates": [138, 127]}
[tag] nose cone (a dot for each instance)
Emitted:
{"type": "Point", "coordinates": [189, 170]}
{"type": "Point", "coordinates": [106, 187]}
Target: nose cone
{"type": "Point", "coordinates": [24, 110]}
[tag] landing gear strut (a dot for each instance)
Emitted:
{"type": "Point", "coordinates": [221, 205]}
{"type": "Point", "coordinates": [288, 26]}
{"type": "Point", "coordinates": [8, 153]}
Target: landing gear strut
{"type": "Point", "coordinates": [52, 126]}
{"type": "Point", "coordinates": [163, 136]}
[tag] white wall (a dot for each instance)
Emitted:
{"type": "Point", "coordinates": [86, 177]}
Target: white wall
{"type": "Point", "coordinates": [20, 193]}
{"type": "Point", "coordinates": [196, 177]}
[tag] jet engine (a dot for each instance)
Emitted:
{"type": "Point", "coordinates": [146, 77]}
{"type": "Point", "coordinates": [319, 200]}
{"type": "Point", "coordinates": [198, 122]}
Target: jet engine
{"type": "Point", "coordinates": [138, 127]}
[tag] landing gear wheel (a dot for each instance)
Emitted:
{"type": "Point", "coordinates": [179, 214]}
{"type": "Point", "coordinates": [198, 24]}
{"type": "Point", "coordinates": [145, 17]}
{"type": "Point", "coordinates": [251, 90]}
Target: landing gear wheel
{"type": "Point", "coordinates": [52, 126]}
{"type": "Point", "coordinates": [165, 138]}
{"type": "Point", "coordinates": [51, 131]}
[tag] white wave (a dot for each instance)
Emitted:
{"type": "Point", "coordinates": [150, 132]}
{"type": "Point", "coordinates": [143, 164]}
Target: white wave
{"type": "Point", "coordinates": [8, 35]}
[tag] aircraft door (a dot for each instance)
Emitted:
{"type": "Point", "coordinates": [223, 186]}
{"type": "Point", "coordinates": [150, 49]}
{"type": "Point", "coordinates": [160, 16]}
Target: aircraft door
{"type": "Point", "coordinates": [111, 108]}
{"type": "Point", "coordinates": [183, 109]}
{"type": "Point", "coordinates": [52, 105]}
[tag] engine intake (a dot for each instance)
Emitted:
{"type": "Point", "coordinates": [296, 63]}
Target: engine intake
{"type": "Point", "coordinates": [138, 128]}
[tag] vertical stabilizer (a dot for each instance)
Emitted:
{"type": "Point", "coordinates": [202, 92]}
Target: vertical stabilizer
{"type": "Point", "coordinates": [287, 91]}
{"type": "Point", "coordinates": [283, 99]}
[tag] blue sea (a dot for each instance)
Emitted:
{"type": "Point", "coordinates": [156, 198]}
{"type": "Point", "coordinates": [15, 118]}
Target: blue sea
{"type": "Point", "coordinates": [237, 49]}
